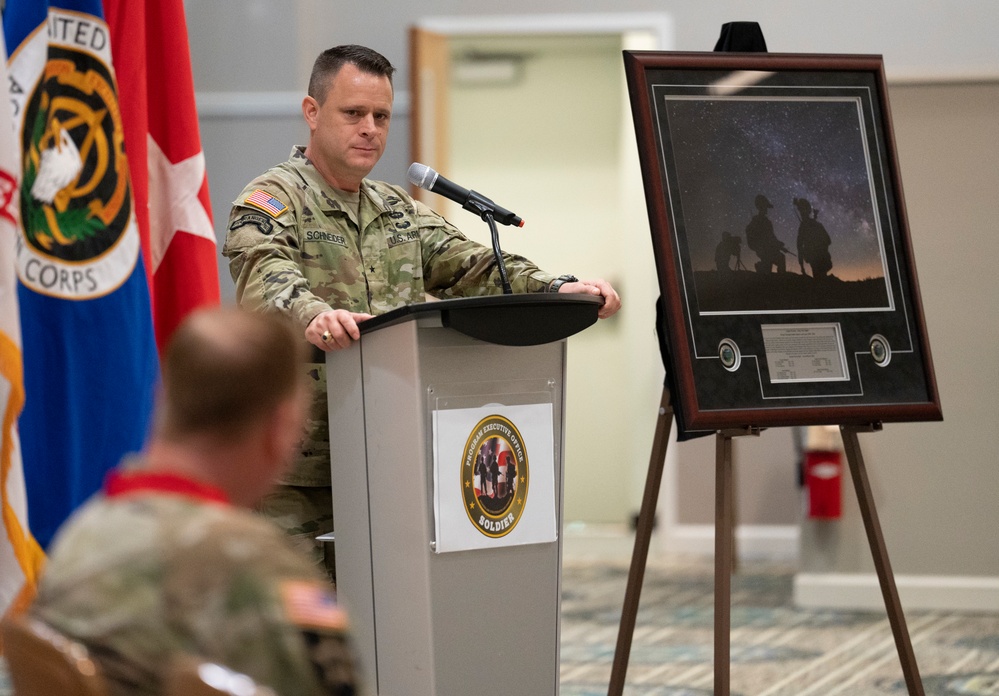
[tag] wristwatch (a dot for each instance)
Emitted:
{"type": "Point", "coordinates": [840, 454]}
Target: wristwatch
{"type": "Point", "coordinates": [560, 281]}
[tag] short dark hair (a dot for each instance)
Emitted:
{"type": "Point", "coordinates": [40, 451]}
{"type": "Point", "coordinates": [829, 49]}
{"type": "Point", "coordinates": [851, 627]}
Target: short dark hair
{"type": "Point", "coordinates": [330, 61]}
{"type": "Point", "coordinates": [225, 368]}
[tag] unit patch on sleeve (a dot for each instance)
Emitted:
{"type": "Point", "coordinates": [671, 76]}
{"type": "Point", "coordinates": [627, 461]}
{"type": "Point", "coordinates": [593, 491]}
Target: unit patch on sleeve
{"type": "Point", "coordinates": [261, 222]}
{"type": "Point", "coordinates": [266, 202]}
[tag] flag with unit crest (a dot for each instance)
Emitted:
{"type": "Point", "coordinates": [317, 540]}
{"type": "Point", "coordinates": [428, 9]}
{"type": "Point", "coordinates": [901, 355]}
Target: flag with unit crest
{"type": "Point", "coordinates": [90, 363]}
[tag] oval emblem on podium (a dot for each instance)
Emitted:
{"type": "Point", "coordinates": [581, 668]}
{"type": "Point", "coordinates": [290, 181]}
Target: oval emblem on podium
{"type": "Point", "coordinates": [494, 488]}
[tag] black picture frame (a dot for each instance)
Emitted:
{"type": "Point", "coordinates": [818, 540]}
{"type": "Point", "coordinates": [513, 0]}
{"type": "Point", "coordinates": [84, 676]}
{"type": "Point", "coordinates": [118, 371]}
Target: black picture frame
{"type": "Point", "coordinates": [814, 315]}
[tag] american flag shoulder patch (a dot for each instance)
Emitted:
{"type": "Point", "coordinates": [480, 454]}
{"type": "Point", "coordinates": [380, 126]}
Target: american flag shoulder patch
{"type": "Point", "coordinates": [312, 604]}
{"type": "Point", "coordinates": [266, 202]}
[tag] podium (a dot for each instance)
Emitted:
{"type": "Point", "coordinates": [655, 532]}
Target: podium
{"type": "Point", "coordinates": [446, 431]}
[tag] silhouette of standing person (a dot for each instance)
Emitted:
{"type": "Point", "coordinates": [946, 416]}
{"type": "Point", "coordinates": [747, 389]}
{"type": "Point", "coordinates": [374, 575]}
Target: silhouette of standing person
{"type": "Point", "coordinates": [511, 475]}
{"type": "Point", "coordinates": [761, 239]}
{"type": "Point", "coordinates": [481, 471]}
{"type": "Point", "coordinates": [493, 474]}
{"type": "Point", "coordinates": [813, 240]}
{"type": "Point", "coordinates": [509, 472]}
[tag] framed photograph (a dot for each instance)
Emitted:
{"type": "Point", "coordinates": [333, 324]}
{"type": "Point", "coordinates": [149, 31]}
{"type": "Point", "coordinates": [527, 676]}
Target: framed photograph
{"type": "Point", "coordinates": [789, 293]}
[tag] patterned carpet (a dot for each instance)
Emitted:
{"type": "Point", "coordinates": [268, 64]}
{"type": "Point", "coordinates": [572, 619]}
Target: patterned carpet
{"type": "Point", "coordinates": [777, 650]}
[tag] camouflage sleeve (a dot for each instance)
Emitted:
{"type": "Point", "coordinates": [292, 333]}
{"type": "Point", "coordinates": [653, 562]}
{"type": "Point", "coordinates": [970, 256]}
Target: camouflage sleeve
{"type": "Point", "coordinates": [263, 610]}
{"type": "Point", "coordinates": [455, 266]}
{"type": "Point", "coordinates": [265, 264]}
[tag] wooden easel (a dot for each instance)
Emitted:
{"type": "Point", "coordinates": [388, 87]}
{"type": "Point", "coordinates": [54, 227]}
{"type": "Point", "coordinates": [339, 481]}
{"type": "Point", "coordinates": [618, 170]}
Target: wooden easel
{"type": "Point", "coordinates": [724, 552]}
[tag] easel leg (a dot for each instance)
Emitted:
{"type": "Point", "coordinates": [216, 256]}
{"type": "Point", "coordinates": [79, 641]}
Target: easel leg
{"type": "Point", "coordinates": [724, 512]}
{"type": "Point", "coordinates": [885, 576]}
{"type": "Point", "coordinates": [732, 523]}
{"type": "Point", "coordinates": [643, 535]}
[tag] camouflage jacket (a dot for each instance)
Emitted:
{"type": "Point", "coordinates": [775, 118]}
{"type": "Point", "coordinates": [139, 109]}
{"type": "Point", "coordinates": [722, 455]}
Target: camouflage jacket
{"type": "Point", "coordinates": [186, 574]}
{"type": "Point", "coordinates": [296, 245]}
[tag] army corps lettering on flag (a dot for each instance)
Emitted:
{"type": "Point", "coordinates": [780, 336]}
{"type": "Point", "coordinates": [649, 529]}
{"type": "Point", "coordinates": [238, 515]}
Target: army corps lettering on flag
{"type": "Point", "coordinates": [80, 238]}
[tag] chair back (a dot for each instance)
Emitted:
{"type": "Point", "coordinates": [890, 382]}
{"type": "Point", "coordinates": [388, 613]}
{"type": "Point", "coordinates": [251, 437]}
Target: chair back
{"type": "Point", "coordinates": [44, 662]}
{"type": "Point", "coordinates": [190, 676]}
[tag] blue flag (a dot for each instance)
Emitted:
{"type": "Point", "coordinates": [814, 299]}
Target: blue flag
{"type": "Point", "coordinates": [90, 364]}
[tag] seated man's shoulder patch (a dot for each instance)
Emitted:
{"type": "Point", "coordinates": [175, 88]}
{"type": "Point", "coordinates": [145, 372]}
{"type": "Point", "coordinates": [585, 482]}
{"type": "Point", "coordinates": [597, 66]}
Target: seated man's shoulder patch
{"type": "Point", "coordinates": [312, 604]}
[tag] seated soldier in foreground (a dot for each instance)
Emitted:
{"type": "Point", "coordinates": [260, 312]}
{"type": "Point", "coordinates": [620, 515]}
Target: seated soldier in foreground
{"type": "Point", "coordinates": [168, 560]}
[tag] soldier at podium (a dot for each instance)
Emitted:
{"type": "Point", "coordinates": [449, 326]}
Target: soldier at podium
{"type": "Point", "coordinates": [314, 239]}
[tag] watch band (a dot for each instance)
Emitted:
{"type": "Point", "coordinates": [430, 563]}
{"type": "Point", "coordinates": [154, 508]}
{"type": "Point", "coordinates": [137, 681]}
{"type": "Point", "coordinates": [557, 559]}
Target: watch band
{"type": "Point", "coordinates": [560, 281]}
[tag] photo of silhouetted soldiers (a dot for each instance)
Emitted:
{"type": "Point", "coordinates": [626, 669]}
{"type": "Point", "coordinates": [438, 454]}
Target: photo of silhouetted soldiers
{"type": "Point", "coordinates": [813, 240]}
{"type": "Point", "coordinates": [761, 239]}
{"type": "Point", "coordinates": [768, 283]}
{"type": "Point", "coordinates": [487, 468]}
{"type": "Point", "coordinates": [496, 473]}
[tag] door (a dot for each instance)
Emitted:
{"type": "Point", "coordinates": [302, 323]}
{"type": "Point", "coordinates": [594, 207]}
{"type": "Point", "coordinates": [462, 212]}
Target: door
{"type": "Point", "coordinates": [429, 70]}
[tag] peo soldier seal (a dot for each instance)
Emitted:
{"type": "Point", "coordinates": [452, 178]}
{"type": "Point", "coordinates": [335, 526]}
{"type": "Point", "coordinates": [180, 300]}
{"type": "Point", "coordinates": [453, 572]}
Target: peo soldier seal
{"type": "Point", "coordinates": [495, 476]}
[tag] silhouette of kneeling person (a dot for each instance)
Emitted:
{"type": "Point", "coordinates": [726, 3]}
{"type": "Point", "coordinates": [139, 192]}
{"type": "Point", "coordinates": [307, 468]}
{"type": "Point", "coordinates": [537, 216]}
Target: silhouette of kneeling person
{"type": "Point", "coordinates": [729, 246]}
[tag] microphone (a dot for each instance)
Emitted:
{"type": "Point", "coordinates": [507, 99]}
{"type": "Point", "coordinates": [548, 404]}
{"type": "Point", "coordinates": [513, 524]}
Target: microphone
{"type": "Point", "coordinates": [426, 178]}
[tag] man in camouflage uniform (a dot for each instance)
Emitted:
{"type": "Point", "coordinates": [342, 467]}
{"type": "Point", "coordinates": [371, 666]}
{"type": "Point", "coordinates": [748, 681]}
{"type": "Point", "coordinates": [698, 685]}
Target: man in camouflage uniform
{"type": "Point", "coordinates": [169, 562]}
{"type": "Point", "coordinates": [316, 240]}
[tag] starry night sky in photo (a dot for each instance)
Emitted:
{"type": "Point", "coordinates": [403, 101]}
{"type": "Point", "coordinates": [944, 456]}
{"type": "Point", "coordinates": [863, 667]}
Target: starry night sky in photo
{"type": "Point", "coordinates": [728, 150]}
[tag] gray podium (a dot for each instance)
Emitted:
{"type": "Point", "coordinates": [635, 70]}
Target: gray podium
{"type": "Point", "coordinates": [428, 621]}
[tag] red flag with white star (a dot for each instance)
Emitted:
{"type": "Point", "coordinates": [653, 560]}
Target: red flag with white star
{"type": "Point", "coordinates": [156, 96]}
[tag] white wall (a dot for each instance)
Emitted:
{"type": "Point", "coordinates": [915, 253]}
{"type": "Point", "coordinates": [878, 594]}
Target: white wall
{"type": "Point", "coordinates": [935, 483]}
{"type": "Point", "coordinates": [252, 40]}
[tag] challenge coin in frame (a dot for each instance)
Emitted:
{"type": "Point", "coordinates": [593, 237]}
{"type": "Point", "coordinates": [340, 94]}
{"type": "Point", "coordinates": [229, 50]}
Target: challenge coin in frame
{"type": "Point", "coordinates": [729, 354]}
{"type": "Point", "coordinates": [880, 350]}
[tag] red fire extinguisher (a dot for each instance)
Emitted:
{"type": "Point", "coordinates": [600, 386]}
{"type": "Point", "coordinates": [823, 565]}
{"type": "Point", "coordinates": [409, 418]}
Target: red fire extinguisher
{"type": "Point", "coordinates": [824, 474]}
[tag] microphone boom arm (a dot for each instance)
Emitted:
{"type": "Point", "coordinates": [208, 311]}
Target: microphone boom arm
{"type": "Point", "coordinates": [487, 215]}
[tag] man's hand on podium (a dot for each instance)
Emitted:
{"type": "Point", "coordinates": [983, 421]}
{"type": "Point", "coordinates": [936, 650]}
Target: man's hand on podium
{"type": "Point", "coordinates": [598, 287]}
{"type": "Point", "coordinates": [334, 329]}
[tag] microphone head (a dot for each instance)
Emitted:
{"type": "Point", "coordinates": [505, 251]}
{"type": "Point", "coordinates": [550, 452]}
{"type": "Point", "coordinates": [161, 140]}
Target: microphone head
{"type": "Point", "coordinates": [421, 175]}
